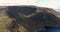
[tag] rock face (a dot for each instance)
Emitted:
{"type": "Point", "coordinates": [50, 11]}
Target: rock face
{"type": "Point", "coordinates": [38, 17]}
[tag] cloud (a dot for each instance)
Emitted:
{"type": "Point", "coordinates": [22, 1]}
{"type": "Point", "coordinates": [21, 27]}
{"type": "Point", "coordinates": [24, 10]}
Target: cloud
{"type": "Point", "coordinates": [17, 2]}
{"type": "Point", "coordinates": [54, 3]}
{"type": "Point", "coordinates": [44, 3]}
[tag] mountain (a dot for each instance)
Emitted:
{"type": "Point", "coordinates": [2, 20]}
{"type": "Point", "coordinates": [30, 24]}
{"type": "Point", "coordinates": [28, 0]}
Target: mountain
{"type": "Point", "coordinates": [58, 10]}
{"type": "Point", "coordinates": [28, 18]}
{"type": "Point", "coordinates": [35, 17]}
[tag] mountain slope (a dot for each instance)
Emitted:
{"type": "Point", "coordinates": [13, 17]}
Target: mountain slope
{"type": "Point", "coordinates": [36, 20]}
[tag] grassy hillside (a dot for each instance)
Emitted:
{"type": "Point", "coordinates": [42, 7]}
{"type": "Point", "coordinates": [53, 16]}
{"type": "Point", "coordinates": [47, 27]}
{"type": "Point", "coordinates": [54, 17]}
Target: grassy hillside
{"type": "Point", "coordinates": [4, 21]}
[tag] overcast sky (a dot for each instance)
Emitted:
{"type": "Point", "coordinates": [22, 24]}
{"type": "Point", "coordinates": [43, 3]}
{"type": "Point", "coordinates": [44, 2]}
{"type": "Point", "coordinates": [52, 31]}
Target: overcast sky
{"type": "Point", "coordinates": [45, 3]}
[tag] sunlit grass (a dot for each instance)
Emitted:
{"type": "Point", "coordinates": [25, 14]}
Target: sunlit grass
{"type": "Point", "coordinates": [4, 21]}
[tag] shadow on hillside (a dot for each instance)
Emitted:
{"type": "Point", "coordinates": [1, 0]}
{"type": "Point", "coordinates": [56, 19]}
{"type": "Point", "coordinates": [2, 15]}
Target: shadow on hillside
{"type": "Point", "coordinates": [34, 24]}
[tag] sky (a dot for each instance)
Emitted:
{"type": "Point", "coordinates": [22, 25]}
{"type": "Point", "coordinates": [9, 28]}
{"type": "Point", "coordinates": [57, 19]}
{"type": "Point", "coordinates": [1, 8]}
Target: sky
{"type": "Point", "coordinates": [41, 3]}
{"type": "Point", "coordinates": [49, 3]}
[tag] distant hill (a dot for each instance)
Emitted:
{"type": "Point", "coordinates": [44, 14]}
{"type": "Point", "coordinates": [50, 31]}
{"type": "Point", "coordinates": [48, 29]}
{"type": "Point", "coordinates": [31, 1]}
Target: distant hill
{"type": "Point", "coordinates": [58, 10]}
{"type": "Point", "coordinates": [3, 9]}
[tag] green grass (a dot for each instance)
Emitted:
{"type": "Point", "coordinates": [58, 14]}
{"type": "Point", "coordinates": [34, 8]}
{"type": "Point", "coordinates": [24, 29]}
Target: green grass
{"type": "Point", "coordinates": [4, 21]}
